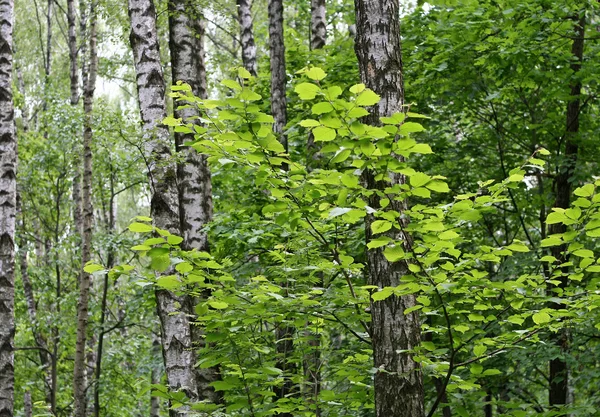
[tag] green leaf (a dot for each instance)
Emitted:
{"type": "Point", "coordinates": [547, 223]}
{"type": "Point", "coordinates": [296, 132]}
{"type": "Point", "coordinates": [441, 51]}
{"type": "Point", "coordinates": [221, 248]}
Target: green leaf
{"type": "Point", "coordinates": [584, 253]}
{"type": "Point", "coordinates": [140, 227]}
{"type": "Point", "coordinates": [307, 91]}
{"type": "Point", "coordinates": [379, 242]}
{"type": "Point", "coordinates": [174, 240]}
{"type": "Point", "coordinates": [315, 73]}
{"type": "Point", "coordinates": [381, 226]}
{"type": "Point", "coordinates": [551, 241]}
{"type": "Point", "coordinates": [218, 305]}
{"type": "Point", "coordinates": [141, 247]}
{"type": "Point", "coordinates": [184, 267]}
{"type": "Point", "coordinates": [244, 73]}
{"type": "Point", "coordinates": [367, 98]}
{"type": "Point", "coordinates": [438, 186]}
{"type": "Point", "coordinates": [421, 148]}
{"type": "Point", "coordinates": [321, 108]}
{"type": "Point", "coordinates": [232, 84]}
{"type": "Point", "coordinates": [541, 317]}
{"type": "Point", "coordinates": [357, 88]}
{"type": "Point", "coordinates": [518, 247]}
{"type": "Point", "coordinates": [324, 134]}
{"type": "Point", "coordinates": [394, 253]}
{"type": "Point", "coordinates": [171, 121]}
{"type": "Point", "coordinates": [411, 127]}
{"type": "Point", "coordinates": [90, 268]}
{"type": "Point", "coordinates": [382, 294]}
{"type": "Point", "coordinates": [586, 191]}
{"type": "Point", "coordinates": [309, 123]}
{"type": "Point", "coordinates": [419, 179]}
{"type": "Point", "coordinates": [556, 217]}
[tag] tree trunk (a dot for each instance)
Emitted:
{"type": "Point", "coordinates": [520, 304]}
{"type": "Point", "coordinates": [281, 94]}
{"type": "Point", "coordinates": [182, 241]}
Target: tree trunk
{"type": "Point", "coordinates": [186, 30]}
{"type": "Point", "coordinates": [8, 211]}
{"type": "Point", "coordinates": [72, 38]}
{"type": "Point", "coordinates": [559, 372]}
{"type": "Point", "coordinates": [79, 367]}
{"type": "Point", "coordinates": [399, 384]}
{"type": "Point", "coordinates": [178, 355]}
{"type": "Point", "coordinates": [278, 74]}
{"type": "Point", "coordinates": [318, 24]}
{"type": "Point", "coordinates": [247, 35]}
{"type": "Point", "coordinates": [27, 404]}
{"type": "Point", "coordinates": [155, 379]}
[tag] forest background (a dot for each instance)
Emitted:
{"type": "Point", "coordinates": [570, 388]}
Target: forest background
{"type": "Point", "coordinates": [299, 208]}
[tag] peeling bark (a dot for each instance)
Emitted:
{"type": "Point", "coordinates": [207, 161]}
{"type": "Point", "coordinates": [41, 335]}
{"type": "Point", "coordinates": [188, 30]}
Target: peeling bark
{"type": "Point", "coordinates": [72, 39]}
{"type": "Point", "coordinates": [399, 384]}
{"type": "Point", "coordinates": [8, 211]}
{"type": "Point", "coordinates": [244, 8]}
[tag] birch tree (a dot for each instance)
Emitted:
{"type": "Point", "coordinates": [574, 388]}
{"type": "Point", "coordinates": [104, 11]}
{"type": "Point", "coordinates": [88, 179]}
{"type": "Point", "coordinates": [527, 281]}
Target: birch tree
{"type": "Point", "coordinates": [398, 381]}
{"type": "Point", "coordinates": [79, 372]}
{"type": "Point", "coordinates": [8, 209]}
{"type": "Point", "coordinates": [318, 24]}
{"type": "Point", "coordinates": [176, 338]}
{"type": "Point", "coordinates": [244, 10]}
{"type": "Point", "coordinates": [195, 191]}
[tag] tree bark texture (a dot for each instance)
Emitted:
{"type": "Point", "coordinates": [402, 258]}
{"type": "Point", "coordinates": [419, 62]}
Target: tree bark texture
{"type": "Point", "coordinates": [399, 383]}
{"type": "Point", "coordinates": [318, 24]}
{"type": "Point", "coordinates": [278, 73]}
{"type": "Point", "coordinates": [8, 211]}
{"type": "Point", "coordinates": [79, 367]}
{"type": "Point", "coordinates": [559, 371]}
{"type": "Point", "coordinates": [186, 30]}
{"type": "Point", "coordinates": [178, 355]}
{"type": "Point", "coordinates": [247, 36]}
{"type": "Point", "coordinates": [72, 38]}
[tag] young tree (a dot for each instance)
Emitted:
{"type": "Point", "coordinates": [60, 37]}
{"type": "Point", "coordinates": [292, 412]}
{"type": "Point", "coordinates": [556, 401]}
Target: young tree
{"type": "Point", "coordinates": [244, 10]}
{"type": "Point", "coordinates": [8, 208]}
{"type": "Point", "coordinates": [559, 371]}
{"type": "Point", "coordinates": [179, 358]}
{"type": "Point", "coordinates": [79, 371]}
{"type": "Point", "coordinates": [398, 383]}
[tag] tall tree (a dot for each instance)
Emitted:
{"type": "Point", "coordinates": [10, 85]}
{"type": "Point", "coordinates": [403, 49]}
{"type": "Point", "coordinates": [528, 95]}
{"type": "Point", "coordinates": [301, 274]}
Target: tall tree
{"type": "Point", "coordinates": [176, 335]}
{"type": "Point", "coordinates": [398, 382]}
{"type": "Point", "coordinates": [278, 73]}
{"type": "Point", "coordinates": [195, 190]}
{"type": "Point", "coordinates": [8, 211]}
{"type": "Point", "coordinates": [79, 372]}
{"type": "Point", "coordinates": [559, 370]}
{"type": "Point", "coordinates": [244, 9]}
{"type": "Point", "coordinates": [318, 24]}
{"type": "Point", "coordinates": [73, 50]}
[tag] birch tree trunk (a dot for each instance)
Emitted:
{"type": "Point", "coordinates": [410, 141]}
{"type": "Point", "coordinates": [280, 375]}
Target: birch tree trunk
{"type": "Point", "coordinates": [72, 40]}
{"type": "Point", "coordinates": [399, 384]}
{"type": "Point", "coordinates": [244, 8]}
{"type": "Point", "coordinates": [278, 74]}
{"type": "Point", "coordinates": [79, 367]}
{"type": "Point", "coordinates": [559, 371]}
{"type": "Point", "coordinates": [8, 209]}
{"type": "Point", "coordinates": [178, 355]}
{"type": "Point", "coordinates": [318, 24]}
{"type": "Point", "coordinates": [195, 190]}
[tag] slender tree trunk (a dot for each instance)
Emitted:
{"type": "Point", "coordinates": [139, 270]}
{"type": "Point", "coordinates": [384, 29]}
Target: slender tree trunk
{"type": "Point", "coordinates": [186, 31]}
{"type": "Point", "coordinates": [399, 383]}
{"type": "Point", "coordinates": [49, 13]}
{"type": "Point", "coordinates": [278, 73]}
{"type": "Point", "coordinates": [8, 211]}
{"type": "Point", "coordinates": [178, 355]}
{"type": "Point", "coordinates": [318, 24]}
{"type": "Point", "coordinates": [79, 372]}
{"type": "Point", "coordinates": [559, 372]}
{"type": "Point", "coordinates": [27, 404]}
{"type": "Point", "coordinates": [155, 379]}
{"type": "Point", "coordinates": [247, 35]}
{"type": "Point", "coordinates": [40, 340]}
{"type": "Point", "coordinates": [72, 38]}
